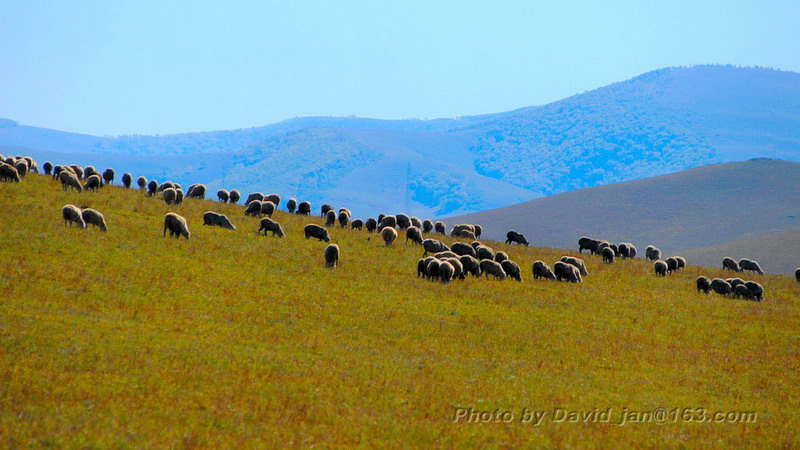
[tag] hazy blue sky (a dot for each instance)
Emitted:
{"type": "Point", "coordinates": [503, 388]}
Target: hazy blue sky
{"type": "Point", "coordinates": [148, 67]}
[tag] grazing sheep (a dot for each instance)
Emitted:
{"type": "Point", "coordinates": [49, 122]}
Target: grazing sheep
{"type": "Point", "coordinates": [500, 256]}
{"type": "Point", "coordinates": [152, 187]}
{"type": "Point", "coordinates": [512, 269]}
{"type": "Point", "coordinates": [750, 265]}
{"type": "Point", "coordinates": [330, 218]}
{"type": "Point", "coordinates": [93, 183]}
{"type": "Point", "coordinates": [414, 235]}
{"type": "Point", "coordinates": [578, 263]}
{"type": "Point", "coordinates": [470, 265]}
{"type": "Point", "coordinates": [734, 282]}
{"type": "Point", "coordinates": [439, 227]}
{"type": "Point", "coordinates": [94, 217]}
{"type": "Point", "coordinates": [445, 254]}
{"type": "Point", "coordinates": [77, 170]}
{"type": "Point", "coordinates": [672, 264]}
{"type": "Point", "coordinates": [271, 225]}
{"type": "Point", "coordinates": [371, 224]}
{"type": "Point", "coordinates": [756, 291]}
{"type": "Point", "coordinates": [542, 270]}
{"type": "Point", "coordinates": [433, 246]}
{"type": "Point", "coordinates": [421, 265]}
{"type": "Point", "coordinates": [608, 255]}
{"type": "Point", "coordinates": [512, 237]}
{"type": "Point", "coordinates": [661, 268]}
{"type": "Point", "coordinates": [587, 243]}
{"type": "Point", "coordinates": [797, 274]}
{"type": "Point", "coordinates": [253, 197]}
{"type": "Point", "coordinates": [89, 171]}
{"type": "Point", "coordinates": [178, 196]}
{"type": "Point", "coordinates": [9, 173]}
{"type": "Point", "coordinates": [720, 286]}
{"type": "Point", "coordinates": [22, 168]}
{"type": "Point", "coordinates": [458, 268]}
{"type": "Point", "coordinates": [389, 235]}
{"type": "Point", "coordinates": [344, 219]}
{"type": "Point", "coordinates": [223, 195]}
{"type": "Point", "coordinates": [416, 222]}
{"type": "Point", "coordinates": [304, 208]}
{"type": "Point", "coordinates": [466, 234]}
{"type": "Point", "coordinates": [108, 176]}
{"type": "Point", "coordinates": [740, 291]}
{"type": "Point", "coordinates": [274, 198]}
{"type": "Point", "coordinates": [475, 244]}
{"type": "Point", "coordinates": [681, 262]}
{"type": "Point", "coordinates": [169, 195]}
{"type": "Point", "coordinates": [72, 213]}
{"type": "Point", "coordinates": [627, 250]}
{"type": "Point", "coordinates": [127, 179]}
{"type": "Point", "coordinates": [380, 217]}
{"type": "Point", "coordinates": [357, 224]}
{"type": "Point", "coordinates": [446, 272]}
{"type": "Point", "coordinates": [703, 284]}
{"type": "Point", "coordinates": [484, 252]}
{"type": "Point", "coordinates": [253, 208]}
{"type": "Point", "coordinates": [267, 208]}
{"type": "Point", "coordinates": [56, 169]}
{"type": "Point", "coordinates": [460, 228]}
{"type": "Point", "coordinates": [493, 268]}
{"type": "Point", "coordinates": [48, 167]}
{"type": "Point", "coordinates": [69, 180]}
{"type": "Point", "coordinates": [568, 272]}
{"type": "Point", "coordinates": [141, 182]}
{"type": "Point", "coordinates": [432, 269]}
{"type": "Point", "coordinates": [317, 232]}
{"type": "Point", "coordinates": [196, 191]}
{"type": "Point", "coordinates": [176, 225]}
{"type": "Point", "coordinates": [403, 221]}
{"type": "Point", "coordinates": [478, 231]}
{"type": "Point", "coordinates": [291, 205]}
{"type": "Point", "coordinates": [652, 253]}
{"type": "Point", "coordinates": [324, 209]}
{"type": "Point", "coordinates": [32, 166]}
{"type": "Point", "coordinates": [217, 220]}
{"type": "Point", "coordinates": [729, 263]}
{"type": "Point", "coordinates": [234, 196]}
{"type": "Point", "coordinates": [461, 248]}
{"type": "Point", "coordinates": [387, 221]}
{"type": "Point", "coordinates": [332, 256]}
{"type": "Point", "coordinates": [427, 226]}
{"type": "Point", "coordinates": [168, 185]}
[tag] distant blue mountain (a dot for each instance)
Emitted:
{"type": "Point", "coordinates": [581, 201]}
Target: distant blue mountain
{"type": "Point", "coordinates": [660, 122]}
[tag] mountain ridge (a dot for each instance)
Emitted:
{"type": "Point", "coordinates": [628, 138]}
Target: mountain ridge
{"type": "Point", "coordinates": [660, 122]}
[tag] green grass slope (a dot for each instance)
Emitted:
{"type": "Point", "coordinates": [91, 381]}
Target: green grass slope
{"type": "Point", "coordinates": [130, 339]}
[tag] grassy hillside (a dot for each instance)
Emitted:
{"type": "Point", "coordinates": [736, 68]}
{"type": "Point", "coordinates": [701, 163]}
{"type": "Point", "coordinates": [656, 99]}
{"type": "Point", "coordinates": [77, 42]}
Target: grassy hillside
{"type": "Point", "coordinates": [127, 338]}
{"type": "Point", "coordinates": [682, 212]}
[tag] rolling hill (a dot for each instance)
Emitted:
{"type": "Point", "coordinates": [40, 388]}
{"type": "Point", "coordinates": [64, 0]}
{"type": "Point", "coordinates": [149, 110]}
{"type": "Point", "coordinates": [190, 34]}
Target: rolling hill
{"type": "Point", "coordinates": [705, 213]}
{"type": "Point", "coordinates": [657, 123]}
{"type": "Point", "coordinates": [126, 338]}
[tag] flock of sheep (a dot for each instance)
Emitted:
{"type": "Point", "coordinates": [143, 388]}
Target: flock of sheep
{"type": "Point", "coordinates": [445, 263]}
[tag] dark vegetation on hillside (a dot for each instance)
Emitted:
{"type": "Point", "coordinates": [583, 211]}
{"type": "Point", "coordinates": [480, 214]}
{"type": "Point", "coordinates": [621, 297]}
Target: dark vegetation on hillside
{"type": "Point", "coordinates": [660, 122]}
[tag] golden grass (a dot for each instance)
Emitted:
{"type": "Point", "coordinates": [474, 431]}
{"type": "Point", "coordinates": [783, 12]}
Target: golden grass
{"type": "Point", "coordinates": [127, 338]}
